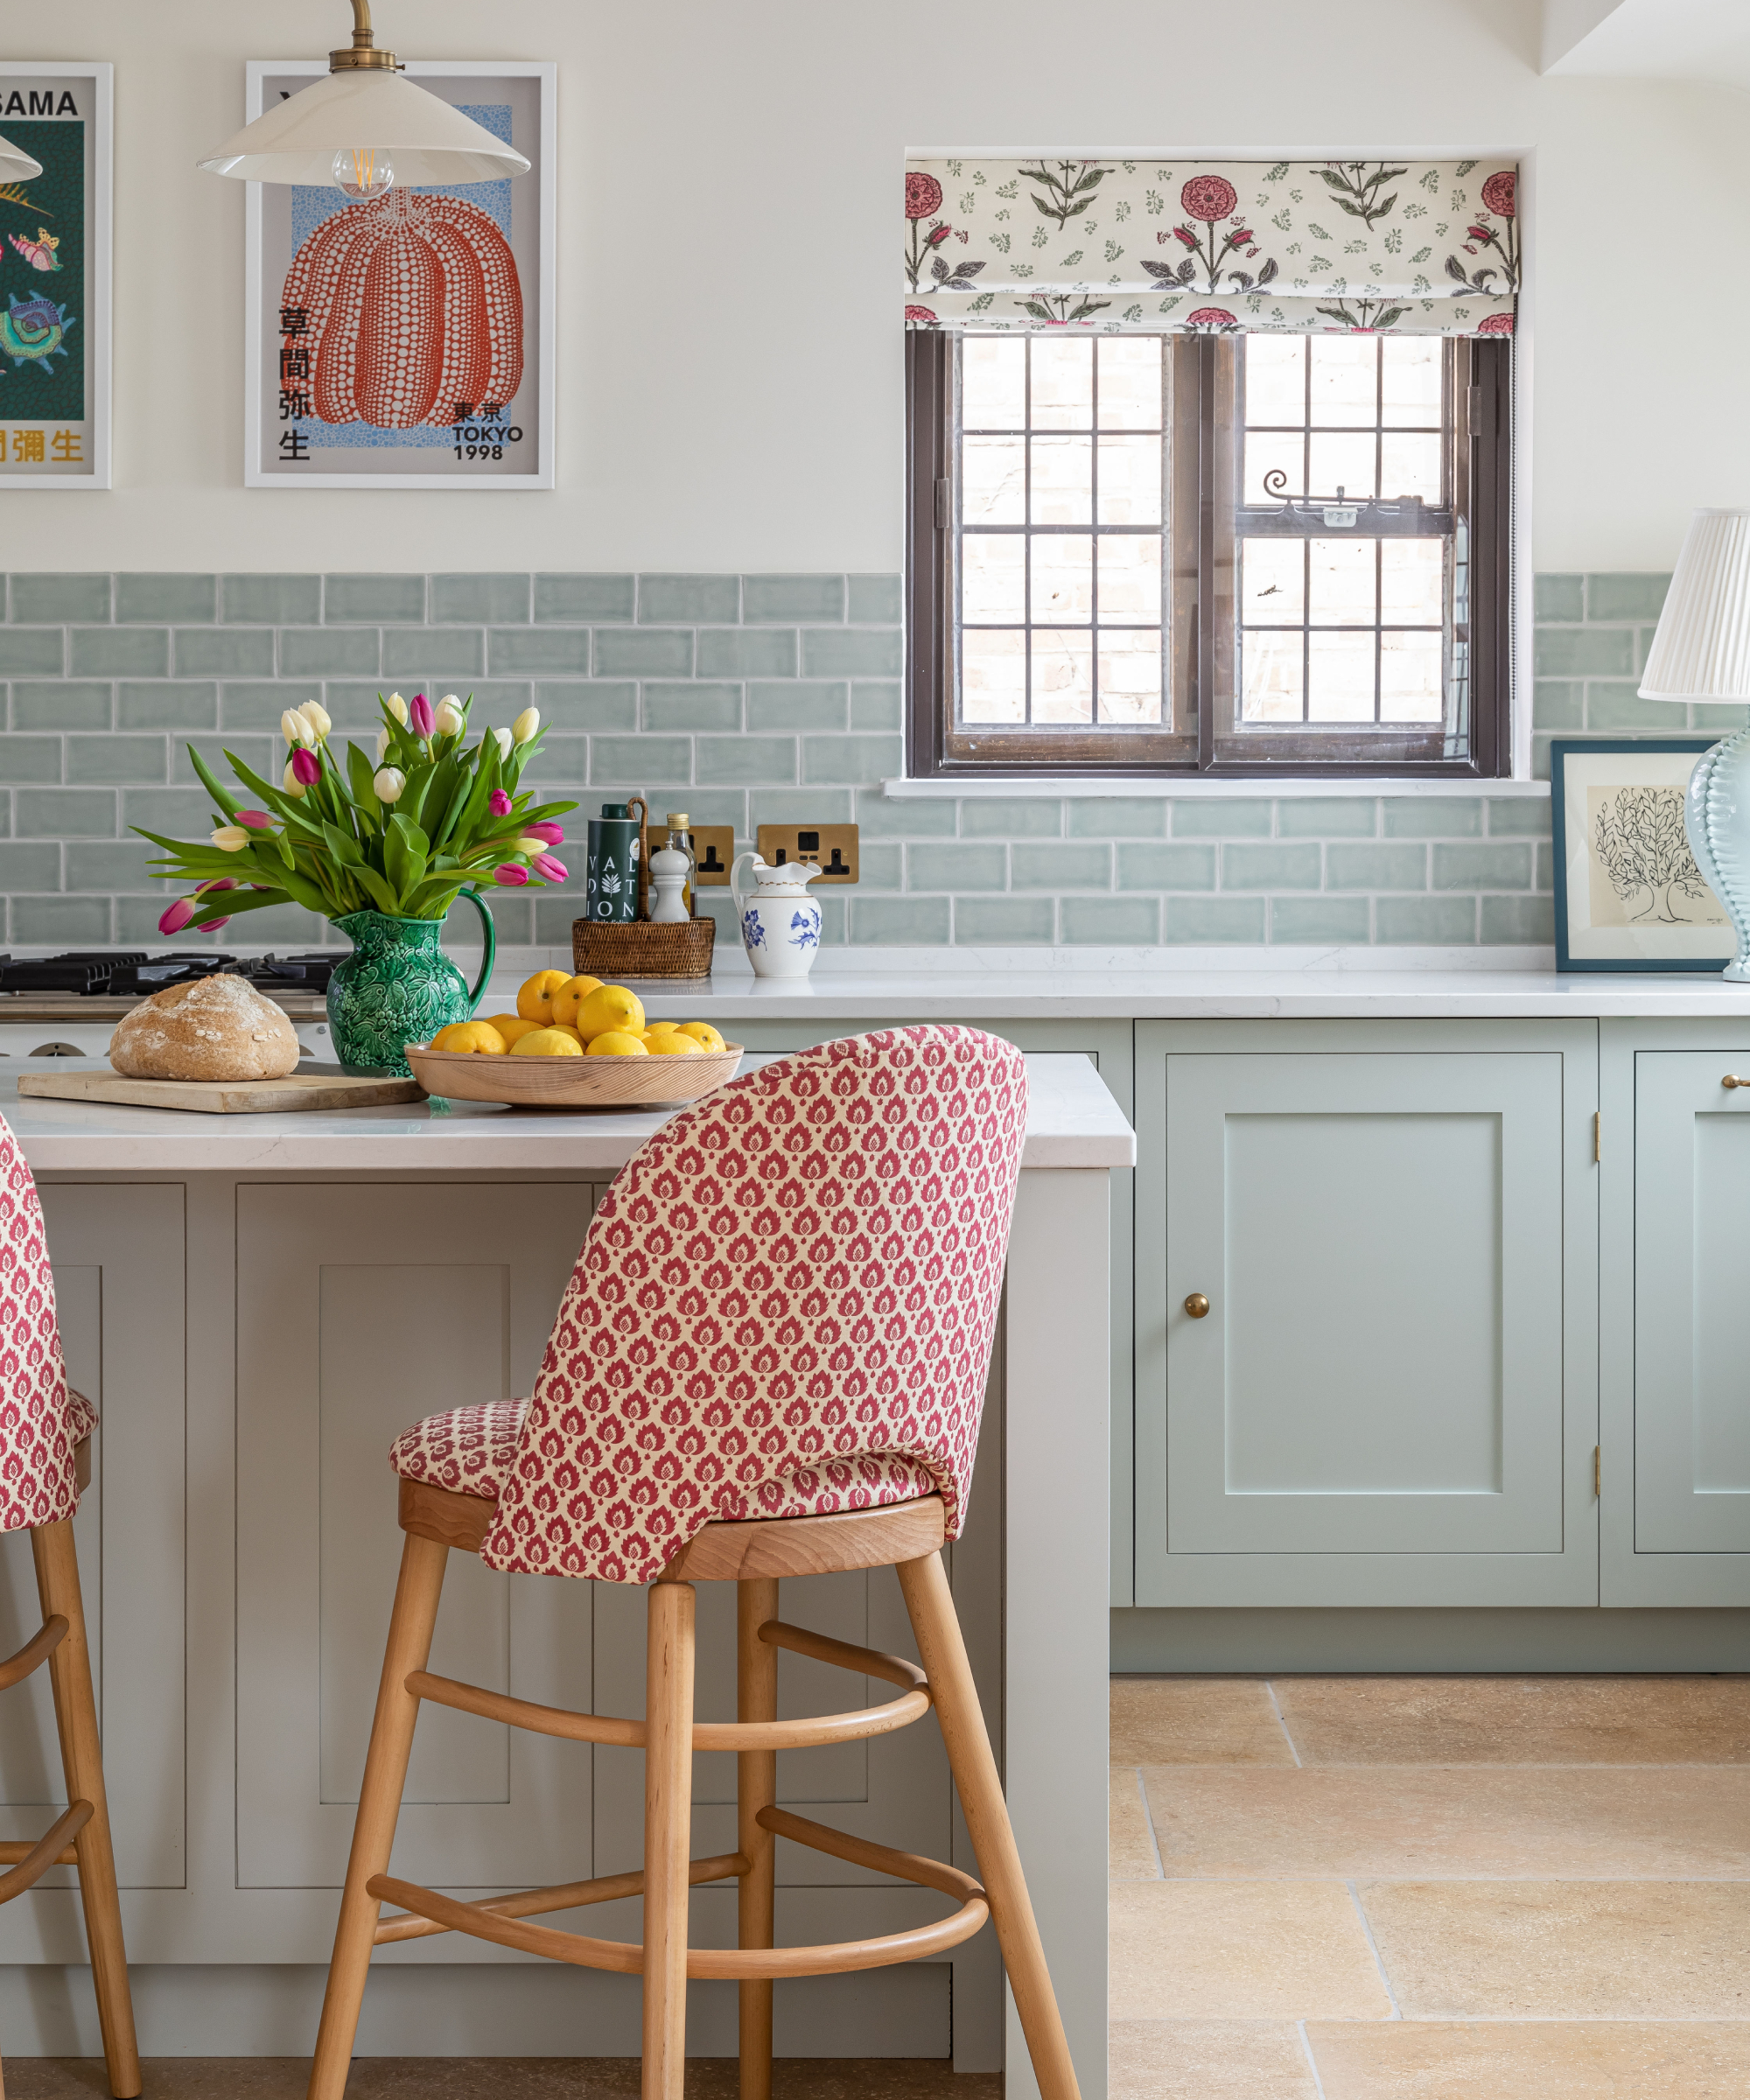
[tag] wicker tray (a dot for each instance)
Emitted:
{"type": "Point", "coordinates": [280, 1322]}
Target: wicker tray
{"type": "Point", "coordinates": [640, 950]}
{"type": "Point", "coordinates": [573, 1082]}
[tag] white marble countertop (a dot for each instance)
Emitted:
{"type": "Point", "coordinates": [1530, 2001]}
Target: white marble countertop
{"type": "Point", "coordinates": [1072, 1121]}
{"type": "Point", "coordinates": [1125, 993]}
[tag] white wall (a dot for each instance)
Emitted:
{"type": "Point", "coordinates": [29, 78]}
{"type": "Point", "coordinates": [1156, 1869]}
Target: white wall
{"type": "Point", "coordinates": [730, 370]}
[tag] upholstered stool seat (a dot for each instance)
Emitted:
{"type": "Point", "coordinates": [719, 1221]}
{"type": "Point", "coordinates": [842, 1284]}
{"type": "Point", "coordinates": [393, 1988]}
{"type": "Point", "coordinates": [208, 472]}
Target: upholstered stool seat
{"type": "Point", "coordinates": [45, 1429]}
{"type": "Point", "coordinates": [769, 1362]}
{"type": "Point", "coordinates": [470, 1450]}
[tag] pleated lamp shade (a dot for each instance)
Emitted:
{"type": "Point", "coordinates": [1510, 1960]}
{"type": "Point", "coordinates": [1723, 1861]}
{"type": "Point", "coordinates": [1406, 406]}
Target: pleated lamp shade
{"type": "Point", "coordinates": [15, 165]}
{"type": "Point", "coordinates": [370, 110]}
{"type": "Point", "coordinates": [1701, 650]}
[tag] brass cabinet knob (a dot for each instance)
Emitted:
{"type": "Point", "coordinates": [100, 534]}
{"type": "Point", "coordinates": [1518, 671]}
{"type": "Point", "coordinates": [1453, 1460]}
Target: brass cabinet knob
{"type": "Point", "coordinates": [1731, 1079]}
{"type": "Point", "coordinates": [1196, 1305]}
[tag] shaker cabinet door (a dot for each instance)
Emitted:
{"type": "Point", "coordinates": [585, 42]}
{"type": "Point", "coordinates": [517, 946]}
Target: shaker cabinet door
{"type": "Point", "coordinates": [1691, 1260]}
{"type": "Point", "coordinates": [1385, 1400]}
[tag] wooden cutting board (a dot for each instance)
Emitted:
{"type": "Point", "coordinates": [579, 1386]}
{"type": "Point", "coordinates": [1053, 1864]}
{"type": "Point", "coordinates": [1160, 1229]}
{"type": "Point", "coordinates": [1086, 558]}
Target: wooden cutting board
{"type": "Point", "coordinates": [322, 1089]}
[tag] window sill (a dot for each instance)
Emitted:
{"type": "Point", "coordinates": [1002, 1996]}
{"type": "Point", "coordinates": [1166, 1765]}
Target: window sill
{"type": "Point", "coordinates": [1072, 788]}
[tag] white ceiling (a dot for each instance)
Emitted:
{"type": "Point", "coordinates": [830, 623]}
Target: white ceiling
{"type": "Point", "coordinates": [1643, 39]}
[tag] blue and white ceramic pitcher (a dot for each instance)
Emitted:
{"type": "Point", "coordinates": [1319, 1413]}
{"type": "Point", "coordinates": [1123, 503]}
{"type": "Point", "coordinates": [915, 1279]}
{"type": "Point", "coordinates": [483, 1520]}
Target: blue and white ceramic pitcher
{"type": "Point", "coordinates": [780, 921]}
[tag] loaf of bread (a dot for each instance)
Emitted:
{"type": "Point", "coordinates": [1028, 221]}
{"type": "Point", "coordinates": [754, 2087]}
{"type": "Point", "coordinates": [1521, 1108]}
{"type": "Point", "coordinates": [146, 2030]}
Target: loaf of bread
{"type": "Point", "coordinates": [217, 1028]}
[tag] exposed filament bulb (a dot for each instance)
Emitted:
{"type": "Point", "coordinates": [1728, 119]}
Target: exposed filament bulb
{"type": "Point", "coordinates": [363, 172]}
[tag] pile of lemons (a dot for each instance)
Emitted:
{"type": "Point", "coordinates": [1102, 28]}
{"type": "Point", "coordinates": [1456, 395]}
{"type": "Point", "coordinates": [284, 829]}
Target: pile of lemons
{"type": "Point", "coordinates": [558, 1016]}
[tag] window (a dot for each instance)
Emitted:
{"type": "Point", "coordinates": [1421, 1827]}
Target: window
{"type": "Point", "coordinates": [1236, 553]}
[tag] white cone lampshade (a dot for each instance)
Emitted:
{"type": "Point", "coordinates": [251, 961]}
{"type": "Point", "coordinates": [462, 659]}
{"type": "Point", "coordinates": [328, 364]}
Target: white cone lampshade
{"type": "Point", "coordinates": [1702, 649]}
{"type": "Point", "coordinates": [372, 110]}
{"type": "Point", "coordinates": [15, 165]}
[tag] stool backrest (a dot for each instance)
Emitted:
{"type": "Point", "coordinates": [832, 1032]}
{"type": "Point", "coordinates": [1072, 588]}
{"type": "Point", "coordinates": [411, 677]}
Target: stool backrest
{"type": "Point", "coordinates": [798, 1273]}
{"type": "Point", "coordinates": [37, 1480]}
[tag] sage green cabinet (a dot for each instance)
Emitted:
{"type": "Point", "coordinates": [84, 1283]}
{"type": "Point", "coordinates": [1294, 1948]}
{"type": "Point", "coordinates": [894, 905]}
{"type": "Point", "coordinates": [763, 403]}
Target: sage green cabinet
{"type": "Point", "coordinates": [1391, 1397]}
{"type": "Point", "coordinates": [1676, 1256]}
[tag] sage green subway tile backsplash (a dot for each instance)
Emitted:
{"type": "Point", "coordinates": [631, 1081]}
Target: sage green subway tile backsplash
{"type": "Point", "coordinates": [749, 700]}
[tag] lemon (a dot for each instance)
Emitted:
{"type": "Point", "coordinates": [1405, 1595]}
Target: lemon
{"type": "Point", "coordinates": [535, 1000]}
{"type": "Point", "coordinates": [547, 1042]}
{"type": "Point", "coordinates": [480, 1037]}
{"type": "Point", "coordinates": [569, 995]}
{"type": "Point", "coordinates": [510, 1026]}
{"type": "Point", "coordinates": [671, 1043]}
{"type": "Point", "coordinates": [610, 1006]}
{"type": "Point", "coordinates": [615, 1042]}
{"type": "Point", "coordinates": [563, 1028]}
{"type": "Point", "coordinates": [661, 1027]}
{"type": "Point", "coordinates": [703, 1034]}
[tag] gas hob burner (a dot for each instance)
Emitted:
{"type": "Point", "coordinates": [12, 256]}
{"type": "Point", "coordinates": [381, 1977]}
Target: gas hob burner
{"type": "Point", "coordinates": [146, 974]}
{"type": "Point", "coordinates": [86, 971]}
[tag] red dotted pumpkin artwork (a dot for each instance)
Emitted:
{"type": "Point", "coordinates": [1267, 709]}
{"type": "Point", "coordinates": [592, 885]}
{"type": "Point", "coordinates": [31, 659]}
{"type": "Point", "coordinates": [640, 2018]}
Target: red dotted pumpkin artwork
{"type": "Point", "coordinates": [413, 313]}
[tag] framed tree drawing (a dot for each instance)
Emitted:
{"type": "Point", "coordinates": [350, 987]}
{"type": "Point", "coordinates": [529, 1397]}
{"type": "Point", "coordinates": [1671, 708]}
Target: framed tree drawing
{"type": "Point", "coordinates": [54, 276]}
{"type": "Point", "coordinates": [406, 340]}
{"type": "Point", "coordinates": [1628, 893]}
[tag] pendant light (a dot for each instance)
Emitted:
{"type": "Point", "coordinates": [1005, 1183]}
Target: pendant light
{"type": "Point", "coordinates": [17, 165]}
{"type": "Point", "coordinates": [364, 128]}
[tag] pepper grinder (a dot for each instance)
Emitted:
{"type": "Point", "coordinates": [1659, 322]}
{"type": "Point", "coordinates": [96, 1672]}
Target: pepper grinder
{"type": "Point", "coordinates": [669, 871]}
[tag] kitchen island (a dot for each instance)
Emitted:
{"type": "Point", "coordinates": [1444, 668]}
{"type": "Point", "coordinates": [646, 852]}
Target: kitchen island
{"type": "Point", "coordinates": [258, 1303]}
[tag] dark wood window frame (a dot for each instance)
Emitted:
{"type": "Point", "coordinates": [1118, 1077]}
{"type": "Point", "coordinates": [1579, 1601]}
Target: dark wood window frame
{"type": "Point", "coordinates": [1202, 625]}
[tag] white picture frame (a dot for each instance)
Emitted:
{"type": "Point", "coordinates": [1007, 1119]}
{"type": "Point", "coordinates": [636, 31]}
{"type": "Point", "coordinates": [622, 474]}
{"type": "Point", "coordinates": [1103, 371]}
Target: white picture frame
{"type": "Point", "coordinates": [525, 459]}
{"type": "Point", "coordinates": [85, 440]}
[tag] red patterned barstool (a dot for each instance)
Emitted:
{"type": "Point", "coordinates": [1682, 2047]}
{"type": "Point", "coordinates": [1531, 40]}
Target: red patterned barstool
{"type": "Point", "coordinates": [770, 1361]}
{"type": "Point", "coordinates": [44, 1462]}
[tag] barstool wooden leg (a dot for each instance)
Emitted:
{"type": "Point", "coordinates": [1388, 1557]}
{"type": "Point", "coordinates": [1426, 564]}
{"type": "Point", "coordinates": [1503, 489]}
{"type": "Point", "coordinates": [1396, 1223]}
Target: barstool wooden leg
{"type": "Point", "coordinates": [421, 1584]}
{"type": "Point", "coordinates": [936, 1628]}
{"type": "Point", "coordinates": [82, 1758]}
{"type": "Point", "coordinates": [756, 1787]}
{"type": "Point", "coordinates": [668, 1834]}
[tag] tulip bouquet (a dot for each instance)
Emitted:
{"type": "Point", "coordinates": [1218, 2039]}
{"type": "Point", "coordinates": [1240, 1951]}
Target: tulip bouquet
{"type": "Point", "coordinates": [401, 833]}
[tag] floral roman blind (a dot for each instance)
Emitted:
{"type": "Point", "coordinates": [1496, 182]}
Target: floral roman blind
{"type": "Point", "coordinates": [1158, 248]}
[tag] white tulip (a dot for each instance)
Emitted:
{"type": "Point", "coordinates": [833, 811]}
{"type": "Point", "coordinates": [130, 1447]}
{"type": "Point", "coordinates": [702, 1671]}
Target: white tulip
{"type": "Point", "coordinates": [503, 740]}
{"type": "Point", "coordinates": [292, 785]}
{"type": "Point", "coordinates": [318, 717]}
{"type": "Point", "coordinates": [526, 725]}
{"type": "Point", "coordinates": [230, 838]}
{"type": "Point", "coordinates": [388, 782]}
{"type": "Point", "coordinates": [397, 707]}
{"type": "Point", "coordinates": [382, 745]}
{"type": "Point", "coordinates": [297, 728]}
{"type": "Point", "coordinates": [450, 720]}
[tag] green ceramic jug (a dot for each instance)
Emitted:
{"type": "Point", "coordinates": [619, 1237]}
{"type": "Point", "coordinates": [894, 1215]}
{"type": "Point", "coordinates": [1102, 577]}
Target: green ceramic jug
{"type": "Point", "coordinates": [399, 987]}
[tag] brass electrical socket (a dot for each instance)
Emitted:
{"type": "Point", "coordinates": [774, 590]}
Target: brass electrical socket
{"type": "Point", "coordinates": [832, 847]}
{"type": "Point", "coordinates": [713, 856]}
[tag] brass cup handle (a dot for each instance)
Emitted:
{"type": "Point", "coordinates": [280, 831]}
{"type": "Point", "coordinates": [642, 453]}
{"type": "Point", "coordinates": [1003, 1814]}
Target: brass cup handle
{"type": "Point", "coordinates": [1731, 1079]}
{"type": "Point", "coordinates": [1196, 1306]}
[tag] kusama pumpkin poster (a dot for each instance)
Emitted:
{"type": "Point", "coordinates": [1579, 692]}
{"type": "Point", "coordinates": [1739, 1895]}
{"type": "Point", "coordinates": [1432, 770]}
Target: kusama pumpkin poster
{"type": "Point", "coordinates": [401, 340]}
{"type": "Point", "coordinates": [53, 279]}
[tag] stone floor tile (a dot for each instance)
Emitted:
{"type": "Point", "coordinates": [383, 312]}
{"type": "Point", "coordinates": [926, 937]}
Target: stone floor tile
{"type": "Point", "coordinates": [1413, 1821]}
{"type": "Point", "coordinates": [1195, 1721]}
{"type": "Point", "coordinates": [1240, 1950]}
{"type": "Point", "coordinates": [1129, 1852]}
{"type": "Point", "coordinates": [1566, 2060]}
{"type": "Point", "coordinates": [1209, 2059]}
{"type": "Point", "coordinates": [1516, 1720]}
{"type": "Point", "coordinates": [1557, 1950]}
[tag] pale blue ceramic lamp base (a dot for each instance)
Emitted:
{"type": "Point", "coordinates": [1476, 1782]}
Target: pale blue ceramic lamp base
{"type": "Point", "coordinates": [1717, 817]}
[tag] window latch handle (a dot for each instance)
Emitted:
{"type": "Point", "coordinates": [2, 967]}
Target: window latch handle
{"type": "Point", "coordinates": [942, 518]}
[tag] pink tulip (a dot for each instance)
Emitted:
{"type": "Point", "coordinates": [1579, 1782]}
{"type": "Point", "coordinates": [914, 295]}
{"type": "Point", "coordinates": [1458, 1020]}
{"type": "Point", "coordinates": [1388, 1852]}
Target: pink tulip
{"type": "Point", "coordinates": [511, 876]}
{"type": "Point", "coordinates": [554, 834]}
{"type": "Point", "coordinates": [499, 802]}
{"type": "Point", "coordinates": [421, 717]}
{"type": "Point", "coordinates": [218, 882]}
{"type": "Point", "coordinates": [548, 869]}
{"type": "Point", "coordinates": [257, 820]}
{"type": "Point", "coordinates": [306, 767]}
{"type": "Point", "coordinates": [177, 917]}
{"type": "Point", "coordinates": [213, 924]}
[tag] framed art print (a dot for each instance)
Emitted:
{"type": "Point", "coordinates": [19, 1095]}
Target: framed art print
{"type": "Point", "coordinates": [54, 276]}
{"type": "Point", "coordinates": [406, 341]}
{"type": "Point", "coordinates": [1628, 893]}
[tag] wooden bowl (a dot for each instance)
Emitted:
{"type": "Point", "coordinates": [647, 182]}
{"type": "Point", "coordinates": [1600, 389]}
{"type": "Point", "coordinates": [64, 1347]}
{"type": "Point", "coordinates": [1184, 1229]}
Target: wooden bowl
{"type": "Point", "coordinates": [573, 1082]}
